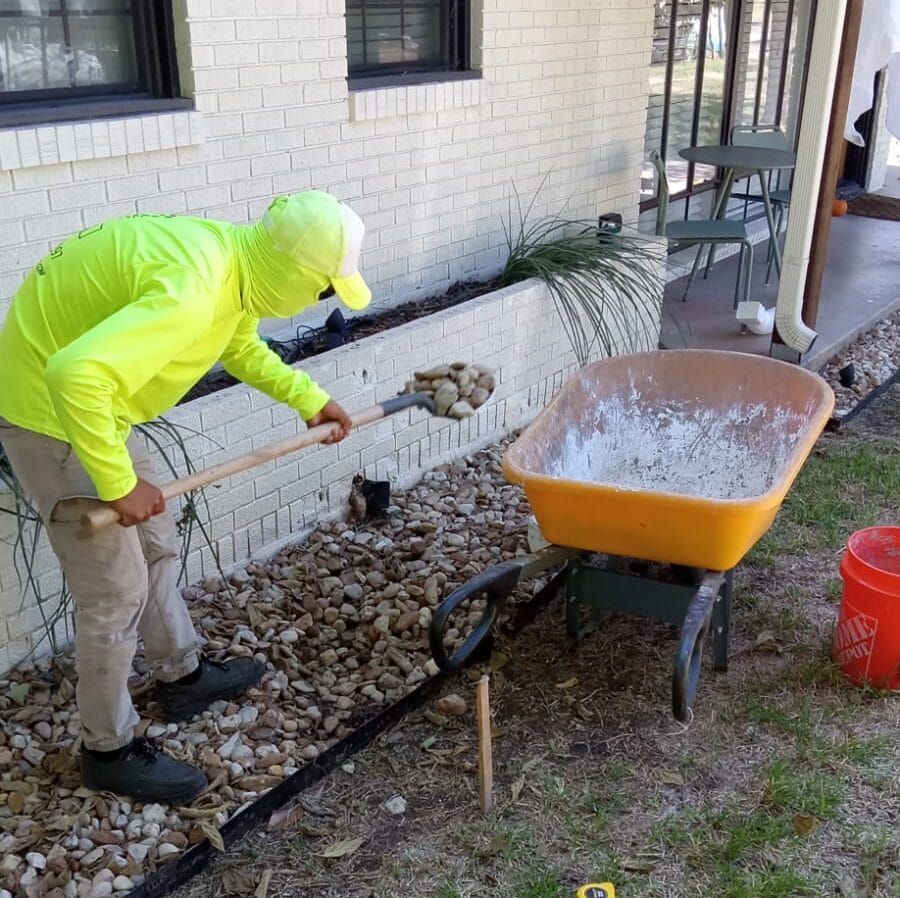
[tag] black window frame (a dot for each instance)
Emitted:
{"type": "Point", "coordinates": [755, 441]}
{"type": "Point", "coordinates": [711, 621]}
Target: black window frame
{"type": "Point", "coordinates": [693, 189]}
{"type": "Point", "coordinates": [455, 41]}
{"type": "Point", "coordinates": [158, 88]}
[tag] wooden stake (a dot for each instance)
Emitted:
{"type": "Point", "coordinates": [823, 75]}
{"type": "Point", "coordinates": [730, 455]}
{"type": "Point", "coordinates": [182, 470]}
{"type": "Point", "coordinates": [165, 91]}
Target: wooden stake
{"type": "Point", "coordinates": [485, 751]}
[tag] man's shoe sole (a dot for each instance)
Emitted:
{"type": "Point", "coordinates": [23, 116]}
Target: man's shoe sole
{"type": "Point", "coordinates": [179, 800]}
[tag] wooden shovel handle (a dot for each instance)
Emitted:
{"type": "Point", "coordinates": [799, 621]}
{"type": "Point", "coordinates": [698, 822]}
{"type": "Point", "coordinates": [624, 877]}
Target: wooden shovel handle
{"type": "Point", "coordinates": [105, 515]}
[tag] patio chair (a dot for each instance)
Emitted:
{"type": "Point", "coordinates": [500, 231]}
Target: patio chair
{"type": "Point", "coordinates": [774, 138]}
{"type": "Point", "coordinates": [707, 231]}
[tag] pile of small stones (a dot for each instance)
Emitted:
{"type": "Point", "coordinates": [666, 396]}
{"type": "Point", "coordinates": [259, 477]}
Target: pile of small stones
{"type": "Point", "coordinates": [457, 389]}
{"type": "Point", "coordinates": [875, 357]}
{"type": "Point", "coordinates": [341, 622]}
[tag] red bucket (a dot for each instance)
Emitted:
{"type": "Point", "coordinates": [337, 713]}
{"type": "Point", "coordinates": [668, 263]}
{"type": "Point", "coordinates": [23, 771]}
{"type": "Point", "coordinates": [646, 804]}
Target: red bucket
{"type": "Point", "coordinates": [867, 637]}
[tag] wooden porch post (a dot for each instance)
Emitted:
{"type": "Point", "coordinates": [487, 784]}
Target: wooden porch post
{"type": "Point", "coordinates": [834, 153]}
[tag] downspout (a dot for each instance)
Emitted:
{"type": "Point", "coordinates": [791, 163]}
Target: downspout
{"type": "Point", "coordinates": [814, 128]}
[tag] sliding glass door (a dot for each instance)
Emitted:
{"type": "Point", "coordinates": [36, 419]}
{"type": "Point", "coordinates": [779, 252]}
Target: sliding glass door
{"type": "Point", "coordinates": [714, 64]}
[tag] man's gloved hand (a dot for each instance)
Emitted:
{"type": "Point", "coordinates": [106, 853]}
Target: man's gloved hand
{"type": "Point", "coordinates": [332, 412]}
{"type": "Point", "coordinates": [141, 504]}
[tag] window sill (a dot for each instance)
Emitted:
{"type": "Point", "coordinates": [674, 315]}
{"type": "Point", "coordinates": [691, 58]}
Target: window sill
{"type": "Point", "coordinates": [392, 97]}
{"type": "Point", "coordinates": [137, 130]}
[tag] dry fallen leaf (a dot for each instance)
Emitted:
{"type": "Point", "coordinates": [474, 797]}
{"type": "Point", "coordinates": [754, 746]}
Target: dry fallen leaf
{"type": "Point", "coordinates": [567, 684]}
{"type": "Point", "coordinates": [343, 848]}
{"type": "Point", "coordinates": [451, 705]}
{"type": "Point", "coordinates": [517, 787]}
{"type": "Point", "coordinates": [804, 824]}
{"type": "Point", "coordinates": [284, 818]}
{"type": "Point", "coordinates": [768, 642]}
{"type": "Point", "coordinates": [533, 762]}
{"type": "Point", "coordinates": [237, 882]}
{"type": "Point", "coordinates": [211, 831]}
{"type": "Point", "coordinates": [263, 888]}
{"type": "Point", "coordinates": [314, 832]}
{"type": "Point", "coordinates": [256, 617]}
{"type": "Point", "coordinates": [670, 777]}
{"type": "Point", "coordinates": [638, 865]}
{"type": "Point", "coordinates": [499, 660]}
{"type": "Point", "coordinates": [19, 693]}
{"type": "Point", "coordinates": [202, 813]}
{"type": "Point", "coordinates": [439, 720]}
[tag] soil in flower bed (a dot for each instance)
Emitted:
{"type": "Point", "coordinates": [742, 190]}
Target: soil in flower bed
{"type": "Point", "coordinates": [341, 622]}
{"type": "Point", "coordinates": [315, 341]}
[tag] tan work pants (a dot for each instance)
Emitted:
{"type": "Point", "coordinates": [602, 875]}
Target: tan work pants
{"type": "Point", "coordinates": [123, 581]}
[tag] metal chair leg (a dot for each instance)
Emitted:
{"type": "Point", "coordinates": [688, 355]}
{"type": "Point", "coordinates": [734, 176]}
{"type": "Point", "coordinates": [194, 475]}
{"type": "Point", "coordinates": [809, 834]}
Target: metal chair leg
{"type": "Point", "coordinates": [748, 270]}
{"type": "Point", "coordinates": [738, 284]}
{"type": "Point", "coordinates": [779, 220]}
{"type": "Point", "coordinates": [694, 268]}
{"type": "Point", "coordinates": [745, 267]}
{"type": "Point", "coordinates": [710, 258]}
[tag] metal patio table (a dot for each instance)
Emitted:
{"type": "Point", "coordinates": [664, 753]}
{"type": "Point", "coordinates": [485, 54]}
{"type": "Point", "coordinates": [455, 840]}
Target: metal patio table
{"type": "Point", "coordinates": [736, 161]}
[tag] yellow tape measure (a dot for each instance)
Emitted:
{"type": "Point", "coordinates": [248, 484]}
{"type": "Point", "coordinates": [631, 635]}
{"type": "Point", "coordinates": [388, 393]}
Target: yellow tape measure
{"type": "Point", "coordinates": [597, 890]}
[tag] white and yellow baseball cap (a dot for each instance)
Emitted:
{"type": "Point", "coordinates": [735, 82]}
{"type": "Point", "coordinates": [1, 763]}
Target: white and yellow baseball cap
{"type": "Point", "coordinates": [319, 232]}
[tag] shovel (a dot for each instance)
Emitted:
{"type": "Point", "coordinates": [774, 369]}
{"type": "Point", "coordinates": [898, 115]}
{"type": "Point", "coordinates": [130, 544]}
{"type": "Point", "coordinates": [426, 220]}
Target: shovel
{"type": "Point", "coordinates": [104, 515]}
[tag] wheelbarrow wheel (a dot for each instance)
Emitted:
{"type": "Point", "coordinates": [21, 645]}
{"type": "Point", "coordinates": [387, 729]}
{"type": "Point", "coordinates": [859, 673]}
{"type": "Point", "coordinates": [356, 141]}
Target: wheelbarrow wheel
{"type": "Point", "coordinates": [689, 657]}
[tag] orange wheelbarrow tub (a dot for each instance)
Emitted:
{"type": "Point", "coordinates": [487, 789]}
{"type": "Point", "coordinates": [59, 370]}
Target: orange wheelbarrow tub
{"type": "Point", "coordinates": [677, 456]}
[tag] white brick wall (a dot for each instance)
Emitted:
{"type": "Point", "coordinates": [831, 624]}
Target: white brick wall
{"type": "Point", "coordinates": [561, 101]}
{"type": "Point", "coordinates": [514, 331]}
{"type": "Point", "coordinates": [429, 167]}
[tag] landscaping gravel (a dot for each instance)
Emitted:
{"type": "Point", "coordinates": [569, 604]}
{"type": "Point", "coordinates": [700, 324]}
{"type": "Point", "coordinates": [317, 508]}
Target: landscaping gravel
{"type": "Point", "coordinates": [875, 356]}
{"type": "Point", "coordinates": [341, 622]}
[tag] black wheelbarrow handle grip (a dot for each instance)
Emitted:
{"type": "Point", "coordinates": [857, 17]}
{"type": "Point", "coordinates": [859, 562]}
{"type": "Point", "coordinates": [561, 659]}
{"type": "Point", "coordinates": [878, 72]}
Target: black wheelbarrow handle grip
{"type": "Point", "coordinates": [497, 583]}
{"type": "Point", "coordinates": [689, 656]}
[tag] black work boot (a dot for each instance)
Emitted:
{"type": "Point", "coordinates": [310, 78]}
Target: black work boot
{"type": "Point", "coordinates": [141, 771]}
{"type": "Point", "coordinates": [211, 682]}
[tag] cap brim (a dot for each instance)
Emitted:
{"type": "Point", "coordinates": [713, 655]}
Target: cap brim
{"type": "Point", "coordinates": [352, 291]}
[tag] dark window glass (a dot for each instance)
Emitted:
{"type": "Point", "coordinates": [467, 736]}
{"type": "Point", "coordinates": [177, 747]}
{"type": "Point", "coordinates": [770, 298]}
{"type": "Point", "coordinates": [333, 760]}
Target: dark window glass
{"type": "Point", "coordinates": [54, 51]}
{"type": "Point", "coordinates": [405, 36]}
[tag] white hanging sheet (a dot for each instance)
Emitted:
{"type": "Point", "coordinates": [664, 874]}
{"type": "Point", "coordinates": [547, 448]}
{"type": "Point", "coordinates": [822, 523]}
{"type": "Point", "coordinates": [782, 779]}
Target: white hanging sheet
{"type": "Point", "coordinates": [879, 48]}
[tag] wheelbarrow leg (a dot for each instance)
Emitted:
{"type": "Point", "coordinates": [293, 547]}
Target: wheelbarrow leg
{"type": "Point", "coordinates": [574, 630]}
{"type": "Point", "coordinates": [721, 622]}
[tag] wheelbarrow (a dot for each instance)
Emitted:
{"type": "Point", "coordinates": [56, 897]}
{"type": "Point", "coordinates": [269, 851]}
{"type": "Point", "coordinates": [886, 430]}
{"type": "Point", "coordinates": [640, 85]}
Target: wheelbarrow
{"type": "Point", "coordinates": [650, 476]}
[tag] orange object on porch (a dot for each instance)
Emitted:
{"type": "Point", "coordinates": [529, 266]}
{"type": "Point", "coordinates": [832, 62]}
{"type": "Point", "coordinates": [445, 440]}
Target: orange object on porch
{"type": "Point", "coordinates": [867, 637]}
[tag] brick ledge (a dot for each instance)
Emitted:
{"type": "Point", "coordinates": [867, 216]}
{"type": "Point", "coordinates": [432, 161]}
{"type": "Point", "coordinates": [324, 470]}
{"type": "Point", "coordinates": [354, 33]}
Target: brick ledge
{"type": "Point", "coordinates": [31, 146]}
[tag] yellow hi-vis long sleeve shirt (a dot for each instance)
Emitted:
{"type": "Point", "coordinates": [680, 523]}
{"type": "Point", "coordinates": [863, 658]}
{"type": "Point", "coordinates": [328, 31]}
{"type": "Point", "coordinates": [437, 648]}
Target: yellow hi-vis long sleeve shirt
{"type": "Point", "coordinates": [117, 323]}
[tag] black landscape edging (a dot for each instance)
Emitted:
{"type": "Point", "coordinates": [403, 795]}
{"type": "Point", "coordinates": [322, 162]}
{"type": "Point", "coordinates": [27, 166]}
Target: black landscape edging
{"type": "Point", "coordinates": [177, 872]}
{"type": "Point", "coordinates": [838, 421]}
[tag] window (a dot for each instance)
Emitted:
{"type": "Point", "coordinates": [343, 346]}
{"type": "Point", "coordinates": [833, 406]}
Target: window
{"type": "Point", "coordinates": [714, 64]}
{"type": "Point", "coordinates": [56, 56]}
{"type": "Point", "coordinates": [410, 38]}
